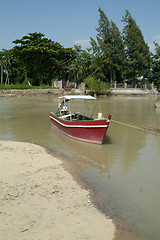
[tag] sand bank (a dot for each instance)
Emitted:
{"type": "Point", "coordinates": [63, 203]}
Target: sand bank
{"type": "Point", "coordinates": [39, 199]}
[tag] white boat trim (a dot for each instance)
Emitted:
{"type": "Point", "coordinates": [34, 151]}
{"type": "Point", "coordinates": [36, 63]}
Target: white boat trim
{"type": "Point", "coordinates": [78, 126]}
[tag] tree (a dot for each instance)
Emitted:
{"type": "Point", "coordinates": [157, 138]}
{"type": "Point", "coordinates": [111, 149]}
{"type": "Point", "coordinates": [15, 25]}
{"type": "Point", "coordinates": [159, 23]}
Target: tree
{"type": "Point", "coordinates": [108, 50]}
{"type": "Point", "coordinates": [138, 56]}
{"type": "Point", "coordinates": [42, 58]}
{"type": "Point", "coordinates": [1, 63]}
{"type": "Point", "coordinates": [17, 72]}
{"type": "Point", "coordinates": [156, 65]}
{"type": "Point", "coordinates": [82, 62]}
{"type": "Point", "coordinates": [5, 62]}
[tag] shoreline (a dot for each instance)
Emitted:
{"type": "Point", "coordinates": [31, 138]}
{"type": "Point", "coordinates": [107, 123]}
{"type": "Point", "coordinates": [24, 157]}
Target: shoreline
{"type": "Point", "coordinates": [133, 92]}
{"type": "Point", "coordinates": [29, 92]}
{"type": "Point", "coordinates": [41, 92]}
{"type": "Point", "coordinates": [41, 200]}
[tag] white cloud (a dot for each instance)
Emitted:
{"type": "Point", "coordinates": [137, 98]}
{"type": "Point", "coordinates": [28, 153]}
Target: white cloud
{"type": "Point", "coordinates": [154, 39]}
{"type": "Point", "coordinates": [84, 43]}
{"type": "Point", "coordinates": [151, 47]}
{"type": "Point", "coordinates": [157, 38]}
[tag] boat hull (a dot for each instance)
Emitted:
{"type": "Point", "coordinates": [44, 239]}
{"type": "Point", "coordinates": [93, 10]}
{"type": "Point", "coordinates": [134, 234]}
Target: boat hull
{"type": "Point", "coordinates": [86, 131]}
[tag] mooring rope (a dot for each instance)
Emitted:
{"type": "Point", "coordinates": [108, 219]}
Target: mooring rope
{"type": "Point", "coordinates": [138, 128]}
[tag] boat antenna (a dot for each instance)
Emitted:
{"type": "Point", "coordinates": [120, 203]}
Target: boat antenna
{"type": "Point", "coordinates": [95, 106]}
{"type": "Point", "coordinates": [87, 106]}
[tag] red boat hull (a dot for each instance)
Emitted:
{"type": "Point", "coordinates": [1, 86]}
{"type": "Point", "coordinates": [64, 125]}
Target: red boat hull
{"type": "Point", "coordinates": [86, 131]}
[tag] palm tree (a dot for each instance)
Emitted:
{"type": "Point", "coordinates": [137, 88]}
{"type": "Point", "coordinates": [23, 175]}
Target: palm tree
{"type": "Point", "coordinates": [1, 63]}
{"type": "Point", "coordinates": [6, 60]}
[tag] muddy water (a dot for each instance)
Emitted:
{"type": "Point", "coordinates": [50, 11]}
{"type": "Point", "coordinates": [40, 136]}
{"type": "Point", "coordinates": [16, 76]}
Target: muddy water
{"type": "Point", "coordinates": [124, 171]}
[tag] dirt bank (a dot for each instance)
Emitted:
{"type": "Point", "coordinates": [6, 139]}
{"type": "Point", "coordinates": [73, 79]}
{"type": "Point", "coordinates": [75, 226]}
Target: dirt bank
{"type": "Point", "coordinates": [30, 92]}
{"type": "Point", "coordinates": [41, 92]}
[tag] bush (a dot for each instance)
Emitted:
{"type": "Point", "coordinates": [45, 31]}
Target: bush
{"type": "Point", "coordinates": [96, 86]}
{"type": "Point", "coordinates": [93, 84]}
{"type": "Point", "coordinates": [15, 86]}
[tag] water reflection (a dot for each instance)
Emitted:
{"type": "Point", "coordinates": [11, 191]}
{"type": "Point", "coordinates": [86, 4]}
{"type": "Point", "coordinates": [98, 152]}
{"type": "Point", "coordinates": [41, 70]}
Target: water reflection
{"type": "Point", "coordinates": [89, 155]}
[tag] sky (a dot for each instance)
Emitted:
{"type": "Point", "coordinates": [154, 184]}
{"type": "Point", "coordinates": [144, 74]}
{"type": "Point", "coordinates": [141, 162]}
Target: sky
{"type": "Point", "coordinates": [70, 21]}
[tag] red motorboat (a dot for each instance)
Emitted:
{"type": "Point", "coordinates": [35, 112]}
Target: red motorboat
{"type": "Point", "coordinates": [77, 125]}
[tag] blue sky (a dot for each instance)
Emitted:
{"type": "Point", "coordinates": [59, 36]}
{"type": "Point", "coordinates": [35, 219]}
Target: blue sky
{"type": "Point", "coordinates": [72, 21]}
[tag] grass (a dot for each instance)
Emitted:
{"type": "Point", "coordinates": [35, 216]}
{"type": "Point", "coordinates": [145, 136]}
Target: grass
{"type": "Point", "coordinates": [23, 86]}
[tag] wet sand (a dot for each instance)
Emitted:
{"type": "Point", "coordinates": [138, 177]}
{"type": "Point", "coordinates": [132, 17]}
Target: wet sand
{"type": "Point", "coordinates": [39, 199]}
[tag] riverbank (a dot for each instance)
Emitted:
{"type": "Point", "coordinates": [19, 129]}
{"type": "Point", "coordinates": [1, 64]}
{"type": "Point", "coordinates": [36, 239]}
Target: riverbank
{"type": "Point", "coordinates": [30, 92]}
{"type": "Point", "coordinates": [41, 200]}
{"type": "Point", "coordinates": [41, 92]}
{"type": "Point", "coordinates": [133, 92]}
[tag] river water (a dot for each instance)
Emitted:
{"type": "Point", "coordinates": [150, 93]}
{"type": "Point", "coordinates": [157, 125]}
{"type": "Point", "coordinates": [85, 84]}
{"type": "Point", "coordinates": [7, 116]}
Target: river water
{"type": "Point", "coordinates": [124, 171]}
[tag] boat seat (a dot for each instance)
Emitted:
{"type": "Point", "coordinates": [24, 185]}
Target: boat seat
{"type": "Point", "coordinates": [66, 116]}
{"type": "Point", "coordinates": [87, 118]}
{"type": "Point", "coordinates": [79, 117]}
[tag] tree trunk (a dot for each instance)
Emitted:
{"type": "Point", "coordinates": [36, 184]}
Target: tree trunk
{"type": "Point", "coordinates": [111, 76]}
{"type": "Point", "coordinates": [1, 72]}
{"type": "Point", "coordinates": [7, 78]}
{"type": "Point", "coordinates": [40, 78]}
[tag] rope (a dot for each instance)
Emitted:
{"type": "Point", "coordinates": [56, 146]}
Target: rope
{"type": "Point", "coordinates": [138, 128]}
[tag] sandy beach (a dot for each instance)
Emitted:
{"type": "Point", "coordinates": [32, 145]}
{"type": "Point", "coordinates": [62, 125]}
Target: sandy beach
{"type": "Point", "coordinates": [39, 199]}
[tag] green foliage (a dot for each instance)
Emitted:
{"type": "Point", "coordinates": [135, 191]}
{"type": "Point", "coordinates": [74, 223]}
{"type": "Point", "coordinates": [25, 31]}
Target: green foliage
{"type": "Point", "coordinates": [80, 67]}
{"type": "Point", "coordinates": [41, 59]}
{"type": "Point", "coordinates": [105, 87]}
{"type": "Point", "coordinates": [23, 86]}
{"type": "Point", "coordinates": [138, 56]}
{"type": "Point", "coordinates": [157, 49]}
{"type": "Point", "coordinates": [14, 86]}
{"type": "Point", "coordinates": [96, 86]}
{"type": "Point", "coordinates": [156, 72]}
{"type": "Point", "coordinates": [93, 84]}
{"type": "Point", "coordinates": [108, 50]}
{"type": "Point", "coordinates": [156, 65]}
